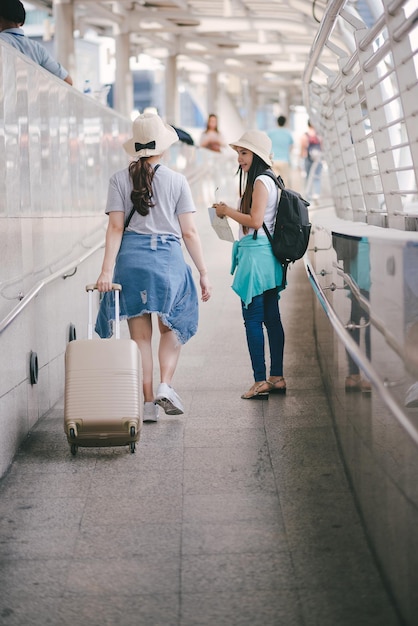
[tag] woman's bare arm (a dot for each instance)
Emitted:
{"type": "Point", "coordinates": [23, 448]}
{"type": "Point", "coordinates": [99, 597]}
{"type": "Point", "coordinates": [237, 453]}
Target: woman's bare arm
{"type": "Point", "coordinates": [193, 245]}
{"type": "Point", "coordinates": [114, 234]}
{"type": "Point", "coordinates": [258, 208]}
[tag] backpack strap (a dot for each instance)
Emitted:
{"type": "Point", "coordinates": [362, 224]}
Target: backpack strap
{"type": "Point", "coordinates": [128, 219]}
{"type": "Point", "coordinates": [130, 216]}
{"type": "Point", "coordinates": [266, 230]}
{"type": "Point", "coordinates": [285, 265]}
{"type": "Point", "coordinates": [280, 184]}
{"type": "Point", "coordinates": [277, 179]}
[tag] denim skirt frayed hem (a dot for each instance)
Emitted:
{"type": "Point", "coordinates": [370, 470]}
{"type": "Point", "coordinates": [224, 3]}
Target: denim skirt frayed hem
{"type": "Point", "coordinates": [155, 279]}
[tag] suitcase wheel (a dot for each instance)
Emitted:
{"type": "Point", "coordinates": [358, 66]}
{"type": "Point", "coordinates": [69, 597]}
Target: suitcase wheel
{"type": "Point", "coordinates": [73, 446]}
{"type": "Point", "coordinates": [132, 444]}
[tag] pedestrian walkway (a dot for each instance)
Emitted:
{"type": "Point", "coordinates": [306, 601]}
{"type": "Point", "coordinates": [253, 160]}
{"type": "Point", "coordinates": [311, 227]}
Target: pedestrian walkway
{"type": "Point", "coordinates": [237, 513]}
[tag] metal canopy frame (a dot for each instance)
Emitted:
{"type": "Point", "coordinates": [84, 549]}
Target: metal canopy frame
{"type": "Point", "coordinates": [266, 42]}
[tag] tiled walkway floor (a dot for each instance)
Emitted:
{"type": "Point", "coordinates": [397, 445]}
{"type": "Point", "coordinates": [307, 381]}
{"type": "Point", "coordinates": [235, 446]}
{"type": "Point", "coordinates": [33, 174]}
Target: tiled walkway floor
{"type": "Point", "coordinates": [236, 514]}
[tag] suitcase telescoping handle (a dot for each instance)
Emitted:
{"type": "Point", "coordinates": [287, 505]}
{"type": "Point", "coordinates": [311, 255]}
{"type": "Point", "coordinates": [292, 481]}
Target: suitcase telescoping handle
{"type": "Point", "coordinates": [116, 288]}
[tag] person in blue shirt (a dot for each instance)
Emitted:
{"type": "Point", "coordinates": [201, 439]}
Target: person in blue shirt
{"type": "Point", "coordinates": [282, 142]}
{"type": "Point", "coordinates": [12, 17]}
{"type": "Point", "coordinates": [258, 274]}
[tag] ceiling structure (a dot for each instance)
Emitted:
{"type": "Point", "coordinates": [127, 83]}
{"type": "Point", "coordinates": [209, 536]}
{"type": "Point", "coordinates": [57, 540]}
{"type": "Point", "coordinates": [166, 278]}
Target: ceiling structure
{"type": "Point", "coordinates": [266, 42]}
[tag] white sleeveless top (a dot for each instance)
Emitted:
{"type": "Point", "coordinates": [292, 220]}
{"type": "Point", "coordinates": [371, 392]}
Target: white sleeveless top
{"type": "Point", "coordinates": [270, 213]}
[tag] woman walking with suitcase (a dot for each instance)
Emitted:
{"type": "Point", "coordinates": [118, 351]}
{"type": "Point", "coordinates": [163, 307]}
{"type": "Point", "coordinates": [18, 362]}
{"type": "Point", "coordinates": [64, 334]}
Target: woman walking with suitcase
{"type": "Point", "coordinates": [150, 209]}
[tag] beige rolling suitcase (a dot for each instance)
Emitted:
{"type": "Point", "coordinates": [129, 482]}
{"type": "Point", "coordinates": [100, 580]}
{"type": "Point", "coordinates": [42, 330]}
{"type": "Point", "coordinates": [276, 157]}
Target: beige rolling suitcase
{"type": "Point", "coordinates": [103, 400]}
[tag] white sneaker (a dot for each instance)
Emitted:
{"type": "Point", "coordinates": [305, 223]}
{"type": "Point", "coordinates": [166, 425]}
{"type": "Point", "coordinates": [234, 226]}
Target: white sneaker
{"type": "Point", "coordinates": [150, 412]}
{"type": "Point", "coordinates": [168, 399]}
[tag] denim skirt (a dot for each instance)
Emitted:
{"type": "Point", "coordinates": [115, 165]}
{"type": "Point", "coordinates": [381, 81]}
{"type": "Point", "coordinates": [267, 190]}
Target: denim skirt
{"type": "Point", "coordinates": [155, 279]}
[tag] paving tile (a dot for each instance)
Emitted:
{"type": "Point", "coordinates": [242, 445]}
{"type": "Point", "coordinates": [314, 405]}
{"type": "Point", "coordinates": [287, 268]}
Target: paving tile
{"type": "Point", "coordinates": [142, 574]}
{"type": "Point", "coordinates": [138, 609]}
{"type": "Point", "coordinates": [256, 608]}
{"type": "Point", "coordinates": [233, 417]}
{"type": "Point", "coordinates": [22, 483]}
{"type": "Point", "coordinates": [237, 457]}
{"type": "Point", "coordinates": [297, 410]}
{"type": "Point", "coordinates": [338, 566]}
{"type": "Point", "coordinates": [132, 486]}
{"type": "Point", "coordinates": [302, 478]}
{"type": "Point", "coordinates": [32, 611]}
{"type": "Point", "coordinates": [359, 607]}
{"type": "Point", "coordinates": [151, 457]}
{"type": "Point", "coordinates": [231, 537]}
{"type": "Point", "coordinates": [231, 507]}
{"type": "Point", "coordinates": [120, 511]}
{"type": "Point", "coordinates": [305, 446]}
{"type": "Point", "coordinates": [28, 579]}
{"type": "Point", "coordinates": [229, 480]}
{"type": "Point", "coordinates": [167, 432]}
{"type": "Point", "coordinates": [223, 437]}
{"type": "Point", "coordinates": [34, 513]}
{"type": "Point", "coordinates": [237, 573]}
{"type": "Point", "coordinates": [129, 540]}
{"type": "Point", "coordinates": [53, 542]}
{"type": "Point", "coordinates": [329, 522]}
{"type": "Point", "coordinates": [54, 460]}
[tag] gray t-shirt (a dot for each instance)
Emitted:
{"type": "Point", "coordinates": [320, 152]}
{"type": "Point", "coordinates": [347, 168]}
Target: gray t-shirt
{"type": "Point", "coordinates": [171, 197]}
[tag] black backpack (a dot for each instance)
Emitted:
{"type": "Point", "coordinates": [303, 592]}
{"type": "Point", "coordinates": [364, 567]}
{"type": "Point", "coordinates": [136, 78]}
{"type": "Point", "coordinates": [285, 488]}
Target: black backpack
{"type": "Point", "coordinates": [292, 227]}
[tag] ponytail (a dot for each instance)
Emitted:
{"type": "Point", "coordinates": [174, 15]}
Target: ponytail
{"type": "Point", "coordinates": [141, 173]}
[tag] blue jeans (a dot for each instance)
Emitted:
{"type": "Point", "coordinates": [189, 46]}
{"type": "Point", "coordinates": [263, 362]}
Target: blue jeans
{"type": "Point", "coordinates": [264, 309]}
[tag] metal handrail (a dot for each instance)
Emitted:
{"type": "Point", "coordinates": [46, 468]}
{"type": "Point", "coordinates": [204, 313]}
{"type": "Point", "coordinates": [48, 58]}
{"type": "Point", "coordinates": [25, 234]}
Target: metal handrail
{"type": "Point", "coordinates": [377, 323]}
{"type": "Point", "coordinates": [356, 354]}
{"type": "Point", "coordinates": [61, 273]}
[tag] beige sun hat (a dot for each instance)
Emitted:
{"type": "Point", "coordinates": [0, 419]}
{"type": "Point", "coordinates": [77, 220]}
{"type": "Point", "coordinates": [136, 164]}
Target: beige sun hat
{"type": "Point", "coordinates": [258, 142]}
{"type": "Point", "coordinates": [150, 136]}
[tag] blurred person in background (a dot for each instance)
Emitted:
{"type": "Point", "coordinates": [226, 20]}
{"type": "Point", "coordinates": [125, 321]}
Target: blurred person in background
{"type": "Point", "coordinates": [12, 17]}
{"type": "Point", "coordinates": [311, 153]}
{"type": "Point", "coordinates": [211, 138]}
{"type": "Point", "coordinates": [282, 142]}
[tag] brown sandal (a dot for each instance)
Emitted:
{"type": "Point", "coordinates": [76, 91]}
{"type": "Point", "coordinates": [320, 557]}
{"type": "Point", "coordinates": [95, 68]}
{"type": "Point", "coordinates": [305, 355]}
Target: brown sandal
{"type": "Point", "coordinates": [259, 391]}
{"type": "Point", "coordinates": [277, 384]}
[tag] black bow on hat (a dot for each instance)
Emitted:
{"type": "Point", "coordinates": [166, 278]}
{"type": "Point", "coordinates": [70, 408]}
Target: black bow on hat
{"type": "Point", "coordinates": [144, 146]}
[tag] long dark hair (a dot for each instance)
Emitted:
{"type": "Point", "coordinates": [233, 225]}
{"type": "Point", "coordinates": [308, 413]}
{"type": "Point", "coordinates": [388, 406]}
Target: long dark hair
{"type": "Point", "coordinates": [258, 166]}
{"type": "Point", "coordinates": [141, 173]}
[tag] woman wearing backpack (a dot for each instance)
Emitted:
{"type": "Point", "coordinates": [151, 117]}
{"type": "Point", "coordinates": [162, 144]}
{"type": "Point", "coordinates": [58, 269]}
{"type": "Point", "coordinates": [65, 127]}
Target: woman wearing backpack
{"type": "Point", "coordinates": [258, 274]}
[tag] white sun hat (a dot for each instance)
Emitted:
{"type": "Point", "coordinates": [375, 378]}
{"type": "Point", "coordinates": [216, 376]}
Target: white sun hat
{"type": "Point", "coordinates": [150, 136]}
{"type": "Point", "coordinates": [258, 142]}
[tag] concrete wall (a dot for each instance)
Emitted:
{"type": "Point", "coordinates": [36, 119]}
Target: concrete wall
{"type": "Point", "coordinates": [57, 151]}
